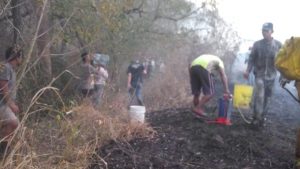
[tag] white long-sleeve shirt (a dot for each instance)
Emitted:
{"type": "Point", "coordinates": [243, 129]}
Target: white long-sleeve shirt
{"type": "Point", "coordinates": [100, 76]}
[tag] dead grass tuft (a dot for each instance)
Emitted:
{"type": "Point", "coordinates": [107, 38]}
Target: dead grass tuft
{"type": "Point", "coordinates": [69, 141]}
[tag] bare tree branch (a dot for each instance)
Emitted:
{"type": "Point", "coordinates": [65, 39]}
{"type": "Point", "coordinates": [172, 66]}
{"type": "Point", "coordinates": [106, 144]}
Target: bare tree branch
{"type": "Point", "coordinates": [26, 13]}
{"type": "Point", "coordinates": [175, 19]}
{"type": "Point", "coordinates": [138, 10]}
{"type": "Point", "coordinates": [5, 7]}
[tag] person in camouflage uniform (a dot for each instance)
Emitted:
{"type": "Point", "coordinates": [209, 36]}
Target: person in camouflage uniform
{"type": "Point", "coordinates": [261, 60]}
{"type": "Point", "coordinates": [283, 81]}
{"type": "Point", "coordinates": [297, 85]}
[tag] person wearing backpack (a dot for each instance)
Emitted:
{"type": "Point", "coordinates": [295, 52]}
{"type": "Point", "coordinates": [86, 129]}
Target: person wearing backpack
{"type": "Point", "coordinates": [283, 81]}
{"type": "Point", "coordinates": [297, 151]}
{"type": "Point", "coordinates": [287, 63]}
{"type": "Point", "coordinates": [100, 77]}
{"type": "Point", "coordinates": [261, 60]}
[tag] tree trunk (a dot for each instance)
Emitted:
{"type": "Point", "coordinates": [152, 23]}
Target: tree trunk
{"type": "Point", "coordinates": [43, 42]}
{"type": "Point", "coordinates": [17, 20]}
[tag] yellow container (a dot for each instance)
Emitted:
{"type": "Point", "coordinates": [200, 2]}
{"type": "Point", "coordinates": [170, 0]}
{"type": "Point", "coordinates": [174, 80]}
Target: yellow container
{"type": "Point", "coordinates": [242, 96]}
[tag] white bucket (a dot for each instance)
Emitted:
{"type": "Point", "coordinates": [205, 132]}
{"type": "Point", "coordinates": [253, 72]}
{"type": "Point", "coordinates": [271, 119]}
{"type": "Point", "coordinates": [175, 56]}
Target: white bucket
{"type": "Point", "coordinates": [137, 113]}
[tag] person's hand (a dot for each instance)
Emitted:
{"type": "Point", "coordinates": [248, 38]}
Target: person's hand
{"type": "Point", "coordinates": [283, 81]}
{"type": "Point", "coordinates": [130, 89]}
{"type": "Point", "coordinates": [227, 94]}
{"type": "Point", "coordinates": [14, 107]}
{"type": "Point", "coordinates": [246, 74]}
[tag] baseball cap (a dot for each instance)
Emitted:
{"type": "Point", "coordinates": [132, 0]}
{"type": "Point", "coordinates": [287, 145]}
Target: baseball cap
{"type": "Point", "coordinates": [267, 26]}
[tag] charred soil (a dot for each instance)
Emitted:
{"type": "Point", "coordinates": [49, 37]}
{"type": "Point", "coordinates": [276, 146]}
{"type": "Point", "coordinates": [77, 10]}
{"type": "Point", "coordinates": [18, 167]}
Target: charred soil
{"type": "Point", "coordinates": [185, 142]}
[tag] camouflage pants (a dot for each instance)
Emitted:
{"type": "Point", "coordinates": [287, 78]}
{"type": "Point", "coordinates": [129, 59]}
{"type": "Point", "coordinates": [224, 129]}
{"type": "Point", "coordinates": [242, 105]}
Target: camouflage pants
{"type": "Point", "coordinates": [298, 149]}
{"type": "Point", "coordinates": [263, 91]}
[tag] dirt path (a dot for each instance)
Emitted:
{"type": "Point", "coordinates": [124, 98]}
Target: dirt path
{"type": "Point", "coordinates": [184, 142]}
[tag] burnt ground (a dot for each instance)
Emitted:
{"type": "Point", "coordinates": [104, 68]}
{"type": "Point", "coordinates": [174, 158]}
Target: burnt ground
{"type": "Point", "coordinates": [185, 142]}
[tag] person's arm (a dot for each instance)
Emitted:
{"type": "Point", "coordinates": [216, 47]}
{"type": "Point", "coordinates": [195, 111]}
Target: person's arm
{"type": "Point", "coordinates": [224, 80]}
{"type": "Point", "coordinates": [92, 69]}
{"type": "Point", "coordinates": [6, 96]}
{"type": "Point", "coordinates": [104, 72]}
{"type": "Point", "coordinates": [129, 77]}
{"type": "Point", "coordinates": [145, 69]}
{"type": "Point", "coordinates": [251, 59]}
{"type": "Point", "coordinates": [283, 81]}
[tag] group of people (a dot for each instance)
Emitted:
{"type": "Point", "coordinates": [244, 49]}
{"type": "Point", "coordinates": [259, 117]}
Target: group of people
{"type": "Point", "coordinates": [93, 77]}
{"type": "Point", "coordinates": [261, 62]}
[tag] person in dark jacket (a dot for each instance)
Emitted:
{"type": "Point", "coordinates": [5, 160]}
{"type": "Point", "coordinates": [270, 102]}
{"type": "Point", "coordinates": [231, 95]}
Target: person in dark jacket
{"type": "Point", "coordinates": [262, 61]}
{"type": "Point", "coordinates": [135, 73]}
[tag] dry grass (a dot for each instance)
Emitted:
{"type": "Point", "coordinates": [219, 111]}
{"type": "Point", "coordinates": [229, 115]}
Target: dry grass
{"type": "Point", "coordinates": [169, 89]}
{"type": "Point", "coordinates": [69, 141]}
{"type": "Point", "coordinates": [68, 136]}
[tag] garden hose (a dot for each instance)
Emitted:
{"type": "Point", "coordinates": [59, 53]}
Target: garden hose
{"type": "Point", "coordinates": [243, 116]}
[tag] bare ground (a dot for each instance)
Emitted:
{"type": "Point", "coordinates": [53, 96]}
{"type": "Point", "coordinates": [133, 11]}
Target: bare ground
{"type": "Point", "coordinates": [185, 142]}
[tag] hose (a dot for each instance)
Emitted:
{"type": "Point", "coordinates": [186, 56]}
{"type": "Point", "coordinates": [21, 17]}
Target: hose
{"type": "Point", "coordinates": [243, 116]}
{"type": "Point", "coordinates": [294, 97]}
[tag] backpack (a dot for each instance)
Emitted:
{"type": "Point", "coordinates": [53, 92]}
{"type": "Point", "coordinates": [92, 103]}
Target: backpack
{"type": "Point", "coordinates": [101, 59]}
{"type": "Point", "coordinates": [287, 60]}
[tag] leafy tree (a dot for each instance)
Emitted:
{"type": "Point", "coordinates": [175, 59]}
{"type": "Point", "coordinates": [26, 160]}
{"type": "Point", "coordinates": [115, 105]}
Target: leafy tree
{"type": "Point", "coordinates": [160, 29]}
